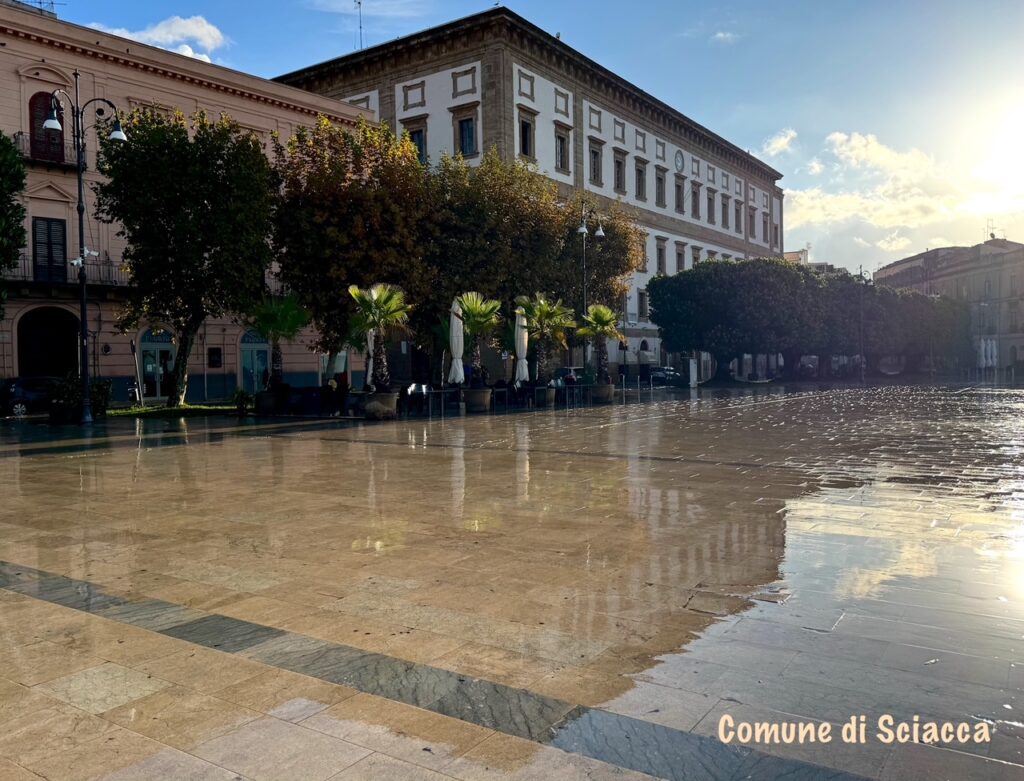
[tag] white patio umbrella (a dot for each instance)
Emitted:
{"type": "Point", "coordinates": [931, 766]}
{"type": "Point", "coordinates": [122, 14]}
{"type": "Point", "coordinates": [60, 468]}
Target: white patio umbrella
{"type": "Point", "coordinates": [456, 376]}
{"type": "Point", "coordinates": [522, 344]}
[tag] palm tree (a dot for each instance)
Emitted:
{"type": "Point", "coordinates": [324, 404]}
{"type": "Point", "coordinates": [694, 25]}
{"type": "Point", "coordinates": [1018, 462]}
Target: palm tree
{"type": "Point", "coordinates": [382, 310]}
{"type": "Point", "coordinates": [602, 324]}
{"type": "Point", "coordinates": [480, 316]}
{"type": "Point", "coordinates": [276, 318]}
{"type": "Point", "coordinates": [547, 322]}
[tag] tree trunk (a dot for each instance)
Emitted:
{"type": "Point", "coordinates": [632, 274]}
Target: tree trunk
{"type": "Point", "coordinates": [381, 376]}
{"type": "Point", "coordinates": [542, 360]}
{"type": "Point", "coordinates": [276, 364]}
{"type": "Point", "coordinates": [602, 360]}
{"type": "Point", "coordinates": [176, 397]}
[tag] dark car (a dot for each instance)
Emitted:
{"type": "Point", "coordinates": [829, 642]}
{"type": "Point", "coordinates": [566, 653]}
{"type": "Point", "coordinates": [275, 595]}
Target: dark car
{"type": "Point", "coordinates": [25, 395]}
{"type": "Point", "coordinates": [667, 375]}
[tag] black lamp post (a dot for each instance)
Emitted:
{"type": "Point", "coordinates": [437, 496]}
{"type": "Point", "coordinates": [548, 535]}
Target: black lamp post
{"type": "Point", "coordinates": [78, 132]}
{"type": "Point", "coordinates": [583, 233]}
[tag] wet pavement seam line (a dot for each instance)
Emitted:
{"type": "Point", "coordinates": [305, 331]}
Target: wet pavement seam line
{"type": "Point", "coordinates": [615, 739]}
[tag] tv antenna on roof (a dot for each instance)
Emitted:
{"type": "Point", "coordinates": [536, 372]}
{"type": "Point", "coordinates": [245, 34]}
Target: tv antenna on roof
{"type": "Point", "coordinates": [359, 8]}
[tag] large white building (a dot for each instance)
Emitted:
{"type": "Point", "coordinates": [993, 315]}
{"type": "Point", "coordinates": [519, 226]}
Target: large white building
{"type": "Point", "coordinates": [495, 79]}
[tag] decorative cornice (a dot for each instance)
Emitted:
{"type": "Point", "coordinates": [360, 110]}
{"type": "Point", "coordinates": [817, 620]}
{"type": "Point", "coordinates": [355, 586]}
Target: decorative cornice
{"type": "Point", "coordinates": [79, 48]}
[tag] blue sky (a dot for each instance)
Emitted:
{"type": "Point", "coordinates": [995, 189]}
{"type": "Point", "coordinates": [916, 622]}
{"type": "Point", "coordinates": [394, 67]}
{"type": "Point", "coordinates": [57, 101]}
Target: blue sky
{"type": "Point", "coordinates": [898, 125]}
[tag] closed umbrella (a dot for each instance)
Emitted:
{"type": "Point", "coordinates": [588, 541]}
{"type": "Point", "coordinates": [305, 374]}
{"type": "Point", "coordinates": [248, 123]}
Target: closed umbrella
{"type": "Point", "coordinates": [522, 343]}
{"type": "Point", "coordinates": [456, 343]}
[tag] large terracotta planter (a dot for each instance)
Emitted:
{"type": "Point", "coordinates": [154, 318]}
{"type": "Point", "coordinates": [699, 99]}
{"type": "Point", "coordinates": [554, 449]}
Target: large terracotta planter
{"type": "Point", "coordinates": [603, 392]}
{"type": "Point", "coordinates": [381, 406]}
{"type": "Point", "coordinates": [477, 399]}
{"type": "Point", "coordinates": [545, 397]}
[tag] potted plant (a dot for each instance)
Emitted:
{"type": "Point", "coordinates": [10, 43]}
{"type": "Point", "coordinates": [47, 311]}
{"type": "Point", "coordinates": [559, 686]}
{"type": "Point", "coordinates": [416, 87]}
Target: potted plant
{"type": "Point", "coordinates": [66, 399]}
{"type": "Point", "coordinates": [480, 317]}
{"type": "Point", "coordinates": [601, 324]}
{"type": "Point", "coordinates": [380, 311]}
{"type": "Point", "coordinates": [547, 322]}
{"type": "Point", "coordinates": [242, 400]}
{"type": "Point", "coordinates": [276, 318]}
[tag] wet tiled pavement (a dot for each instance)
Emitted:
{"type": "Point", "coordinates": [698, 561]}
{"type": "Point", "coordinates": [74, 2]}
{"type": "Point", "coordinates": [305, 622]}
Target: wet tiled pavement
{"type": "Point", "coordinates": [578, 594]}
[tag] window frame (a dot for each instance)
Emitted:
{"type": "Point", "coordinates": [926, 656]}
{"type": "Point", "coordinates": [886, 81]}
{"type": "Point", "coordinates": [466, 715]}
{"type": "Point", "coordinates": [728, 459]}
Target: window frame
{"type": "Point", "coordinates": [595, 145]}
{"type": "Point", "coordinates": [461, 113]}
{"type": "Point", "coordinates": [660, 187]}
{"type": "Point", "coordinates": [619, 157]}
{"type": "Point", "coordinates": [563, 134]}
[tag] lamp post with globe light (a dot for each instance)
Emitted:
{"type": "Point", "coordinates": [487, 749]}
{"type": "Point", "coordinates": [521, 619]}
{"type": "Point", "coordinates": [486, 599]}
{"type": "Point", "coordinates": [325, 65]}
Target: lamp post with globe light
{"type": "Point", "coordinates": [583, 232]}
{"type": "Point", "coordinates": [78, 132]}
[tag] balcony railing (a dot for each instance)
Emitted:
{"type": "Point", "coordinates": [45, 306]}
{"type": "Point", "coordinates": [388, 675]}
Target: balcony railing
{"type": "Point", "coordinates": [44, 150]}
{"type": "Point", "coordinates": [99, 271]}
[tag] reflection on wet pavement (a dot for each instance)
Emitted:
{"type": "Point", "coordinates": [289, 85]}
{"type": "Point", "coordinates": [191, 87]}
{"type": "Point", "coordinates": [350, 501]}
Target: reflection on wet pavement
{"type": "Point", "coordinates": [769, 557]}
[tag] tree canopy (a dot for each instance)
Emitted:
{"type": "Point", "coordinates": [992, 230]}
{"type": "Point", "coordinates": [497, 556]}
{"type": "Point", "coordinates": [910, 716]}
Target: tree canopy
{"type": "Point", "coordinates": [12, 210]}
{"type": "Point", "coordinates": [768, 305]}
{"type": "Point", "coordinates": [193, 199]}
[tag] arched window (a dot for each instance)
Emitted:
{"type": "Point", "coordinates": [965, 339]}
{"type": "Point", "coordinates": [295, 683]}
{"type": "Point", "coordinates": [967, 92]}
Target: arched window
{"type": "Point", "coordinates": [644, 346]}
{"type": "Point", "coordinates": [46, 144]}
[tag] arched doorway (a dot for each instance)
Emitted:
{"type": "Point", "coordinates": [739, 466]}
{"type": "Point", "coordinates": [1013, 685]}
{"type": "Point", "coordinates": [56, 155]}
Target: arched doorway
{"type": "Point", "coordinates": [156, 356]}
{"type": "Point", "coordinates": [255, 362]}
{"type": "Point", "coordinates": [47, 342]}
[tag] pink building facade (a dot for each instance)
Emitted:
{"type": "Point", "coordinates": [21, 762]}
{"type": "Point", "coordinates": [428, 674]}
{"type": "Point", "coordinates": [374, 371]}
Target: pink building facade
{"type": "Point", "coordinates": [39, 328]}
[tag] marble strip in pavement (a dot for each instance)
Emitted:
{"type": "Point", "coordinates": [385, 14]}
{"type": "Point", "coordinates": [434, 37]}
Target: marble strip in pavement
{"type": "Point", "coordinates": [618, 740]}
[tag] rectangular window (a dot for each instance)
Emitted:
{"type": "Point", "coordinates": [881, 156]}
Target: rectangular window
{"type": "Point", "coordinates": [620, 172]}
{"type": "Point", "coordinates": [641, 181]}
{"type": "Point", "coordinates": [1013, 283]}
{"type": "Point", "coordinates": [526, 145]}
{"type": "Point", "coordinates": [562, 151]}
{"type": "Point", "coordinates": [419, 140]}
{"type": "Point", "coordinates": [739, 217]}
{"type": "Point", "coordinates": [764, 227]}
{"type": "Point", "coordinates": [659, 187]}
{"type": "Point", "coordinates": [725, 212]}
{"type": "Point", "coordinates": [752, 222]}
{"type": "Point", "coordinates": [596, 156]}
{"type": "Point", "coordinates": [467, 136]}
{"type": "Point", "coordinates": [643, 311]}
{"type": "Point", "coordinates": [680, 260]}
{"type": "Point", "coordinates": [725, 180]}
{"type": "Point", "coordinates": [711, 173]}
{"type": "Point", "coordinates": [695, 201]}
{"type": "Point", "coordinates": [775, 235]}
{"type": "Point", "coordinates": [680, 194]}
{"type": "Point", "coordinates": [49, 250]}
{"type": "Point", "coordinates": [711, 207]}
{"type": "Point", "coordinates": [695, 254]}
{"type": "Point", "coordinates": [214, 358]}
{"type": "Point", "coordinates": [662, 263]}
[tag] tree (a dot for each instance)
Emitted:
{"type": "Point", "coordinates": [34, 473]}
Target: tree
{"type": "Point", "coordinates": [276, 318]}
{"type": "Point", "coordinates": [480, 317]}
{"type": "Point", "coordinates": [380, 309]}
{"type": "Point", "coordinates": [12, 211]}
{"type": "Point", "coordinates": [548, 323]}
{"type": "Point", "coordinates": [601, 325]}
{"type": "Point", "coordinates": [351, 211]}
{"type": "Point", "coordinates": [193, 201]}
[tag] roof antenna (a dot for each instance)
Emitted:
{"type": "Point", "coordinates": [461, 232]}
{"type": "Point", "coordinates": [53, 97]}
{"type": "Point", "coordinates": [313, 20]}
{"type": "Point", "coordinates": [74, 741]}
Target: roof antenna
{"type": "Point", "coordinates": [359, 6]}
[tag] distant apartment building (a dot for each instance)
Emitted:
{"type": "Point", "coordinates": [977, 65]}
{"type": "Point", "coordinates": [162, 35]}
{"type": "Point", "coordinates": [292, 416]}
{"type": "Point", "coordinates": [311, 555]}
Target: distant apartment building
{"type": "Point", "coordinates": [39, 330]}
{"type": "Point", "coordinates": [496, 80]}
{"type": "Point", "coordinates": [989, 277]}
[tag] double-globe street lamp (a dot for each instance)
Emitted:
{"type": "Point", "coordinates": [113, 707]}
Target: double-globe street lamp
{"type": "Point", "coordinates": [583, 232]}
{"type": "Point", "coordinates": [78, 132]}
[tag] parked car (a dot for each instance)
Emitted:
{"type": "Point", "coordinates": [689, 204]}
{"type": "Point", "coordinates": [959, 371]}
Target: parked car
{"type": "Point", "coordinates": [25, 395]}
{"type": "Point", "coordinates": [667, 375]}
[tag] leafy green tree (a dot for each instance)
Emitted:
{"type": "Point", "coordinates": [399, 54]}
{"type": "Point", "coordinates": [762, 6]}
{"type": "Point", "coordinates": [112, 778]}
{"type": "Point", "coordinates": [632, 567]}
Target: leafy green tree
{"type": "Point", "coordinates": [351, 211]}
{"type": "Point", "coordinates": [382, 310]}
{"type": "Point", "coordinates": [278, 318]}
{"type": "Point", "coordinates": [480, 317]}
{"type": "Point", "coordinates": [548, 323]}
{"type": "Point", "coordinates": [601, 324]}
{"type": "Point", "coordinates": [12, 211]}
{"type": "Point", "coordinates": [193, 200]}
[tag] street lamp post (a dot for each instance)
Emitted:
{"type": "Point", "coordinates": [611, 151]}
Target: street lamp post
{"type": "Point", "coordinates": [78, 133]}
{"type": "Point", "coordinates": [583, 233]}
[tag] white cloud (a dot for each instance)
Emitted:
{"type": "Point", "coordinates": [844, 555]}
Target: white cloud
{"type": "Point", "coordinates": [893, 242]}
{"type": "Point", "coordinates": [175, 34]}
{"type": "Point", "coordinates": [381, 9]}
{"type": "Point", "coordinates": [815, 167]}
{"type": "Point", "coordinates": [724, 37]}
{"type": "Point", "coordinates": [780, 142]}
{"type": "Point", "coordinates": [861, 242]}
